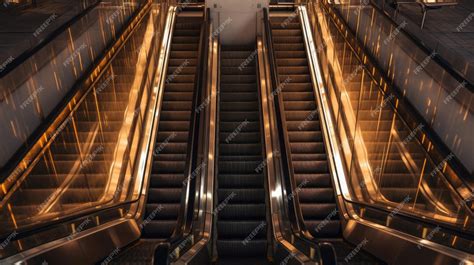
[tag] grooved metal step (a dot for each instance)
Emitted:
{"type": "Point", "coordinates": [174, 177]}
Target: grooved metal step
{"type": "Point", "coordinates": [241, 223]}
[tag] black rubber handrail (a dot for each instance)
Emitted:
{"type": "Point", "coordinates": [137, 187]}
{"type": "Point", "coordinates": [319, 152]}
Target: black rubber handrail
{"type": "Point", "coordinates": [186, 212]}
{"type": "Point", "coordinates": [48, 39]}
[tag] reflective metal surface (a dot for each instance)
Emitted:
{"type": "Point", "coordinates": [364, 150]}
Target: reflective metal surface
{"type": "Point", "coordinates": [286, 245]}
{"type": "Point", "coordinates": [435, 80]}
{"type": "Point", "coordinates": [198, 252]}
{"type": "Point", "coordinates": [383, 172]}
{"type": "Point", "coordinates": [34, 91]}
{"type": "Point", "coordinates": [111, 174]}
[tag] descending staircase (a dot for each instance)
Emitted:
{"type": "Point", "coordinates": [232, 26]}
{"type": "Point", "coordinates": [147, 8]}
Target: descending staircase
{"type": "Point", "coordinates": [303, 129]}
{"type": "Point", "coordinates": [241, 208]}
{"type": "Point", "coordinates": [74, 171]}
{"type": "Point", "coordinates": [397, 166]}
{"type": "Point", "coordinates": [170, 151]}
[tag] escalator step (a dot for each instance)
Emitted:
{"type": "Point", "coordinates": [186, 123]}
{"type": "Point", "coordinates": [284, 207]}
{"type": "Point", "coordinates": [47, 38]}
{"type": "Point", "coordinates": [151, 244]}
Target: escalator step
{"type": "Point", "coordinates": [164, 195]}
{"type": "Point", "coordinates": [305, 167]}
{"type": "Point", "coordinates": [166, 180]}
{"type": "Point", "coordinates": [162, 211]}
{"type": "Point", "coordinates": [324, 228]}
{"type": "Point", "coordinates": [319, 211]}
{"type": "Point", "coordinates": [171, 147]}
{"type": "Point", "coordinates": [235, 248]}
{"type": "Point", "coordinates": [240, 181]}
{"type": "Point", "coordinates": [240, 177]}
{"type": "Point", "coordinates": [316, 195]}
{"type": "Point", "coordinates": [240, 229]}
{"type": "Point", "coordinates": [243, 212]}
{"type": "Point", "coordinates": [314, 180]}
{"type": "Point", "coordinates": [161, 229]}
{"type": "Point", "coordinates": [245, 166]}
{"type": "Point", "coordinates": [247, 195]}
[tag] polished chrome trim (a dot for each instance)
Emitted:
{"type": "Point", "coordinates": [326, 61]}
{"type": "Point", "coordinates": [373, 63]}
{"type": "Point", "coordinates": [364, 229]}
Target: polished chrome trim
{"type": "Point", "coordinates": [115, 234]}
{"type": "Point", "coordinates": [276, 191]}
{"type": "Point", "coordinates": [208, 175]}
{"type": "Point", "coordinates": [118, 233]}
{"type": "Point", "coordinates": [153, 115]}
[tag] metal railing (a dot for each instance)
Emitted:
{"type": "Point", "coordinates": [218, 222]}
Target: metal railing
{"type": "Point", "coordinates": [376, 147]}
{"type": "Point", "coordinates": [194, 160]}
{"type": "Point", "coordinates": [432, 92]}
{"type": "Point", "coordinates": [121, 184]}
{"type": "Point", "coordinates": [41, 82]}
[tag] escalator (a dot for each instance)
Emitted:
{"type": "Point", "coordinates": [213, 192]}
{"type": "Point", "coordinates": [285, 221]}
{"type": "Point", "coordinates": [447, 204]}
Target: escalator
{"type": "Point", "coordinates": [304, 139]}
{"type": "Point", "coordinates": [74, 170]}
{"type": "Point", "coordinates": [376, 117]}
{"type": "Point", "coordinates": [164, 208]}
{"type": "Point", "coordinates": [354, 148]}
{"type": "Point", "coordinates": [85, 177]}
{"type": "Point", "coordinates": [241, 236]}
{"type": "Point", "coordinates": [171, 147]}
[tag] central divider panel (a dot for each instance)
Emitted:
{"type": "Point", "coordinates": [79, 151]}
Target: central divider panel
{"type": "Point", "coordinates": [241, 210]}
